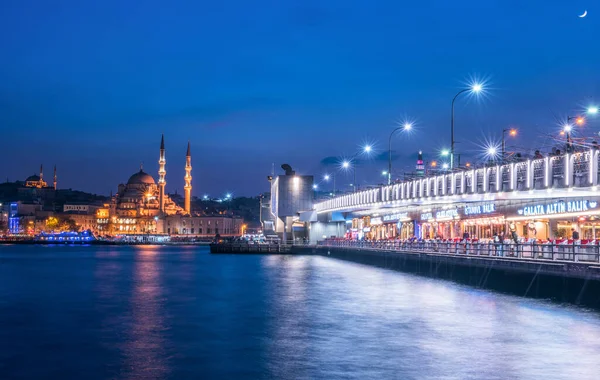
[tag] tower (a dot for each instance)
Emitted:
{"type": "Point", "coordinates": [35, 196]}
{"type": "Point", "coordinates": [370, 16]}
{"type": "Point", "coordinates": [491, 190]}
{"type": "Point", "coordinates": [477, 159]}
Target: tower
{"type": "Point", "coordinates": [161, 174]}
{"type": "Point", "coordinates": [54, 177]}
{"type": "Point", "coordinates": [41, 174]}
{"type": "Point", "coordinates": [188, 181]}
{"type": "Point", "coordinates": [420, 167]}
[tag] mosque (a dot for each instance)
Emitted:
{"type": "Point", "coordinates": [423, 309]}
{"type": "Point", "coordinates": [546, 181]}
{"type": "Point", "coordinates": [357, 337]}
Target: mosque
{"type": "Point", "coordinates": [141, 205]}
{"type": "Point", "coordinates": [37, 181]}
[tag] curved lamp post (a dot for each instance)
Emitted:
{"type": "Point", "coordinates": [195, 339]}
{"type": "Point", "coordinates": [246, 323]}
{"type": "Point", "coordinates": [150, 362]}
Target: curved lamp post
{"type": "Point", "coordinates": [405, 127]}
{"type": "Point", "coordinates": [346, 164]}
{"type": "Point", "coordinates": [475, 88]}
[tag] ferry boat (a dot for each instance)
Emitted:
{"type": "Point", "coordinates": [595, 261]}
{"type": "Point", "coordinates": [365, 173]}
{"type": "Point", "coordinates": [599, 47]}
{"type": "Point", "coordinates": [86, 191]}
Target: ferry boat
{"type": "Point", "coordinates": [84, 237]}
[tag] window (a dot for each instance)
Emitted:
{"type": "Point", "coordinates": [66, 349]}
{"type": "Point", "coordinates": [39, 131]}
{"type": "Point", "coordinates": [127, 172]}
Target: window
{"type": "Point", "coordinates": [169, 231]}
{"type": "Point", "coordinates": [200, 231]}
{"type": "Point", "coordinates": [217, 230]}
{"type": "Point", "coordinates": [192, 228]}
{"type": "Point", "coordinates": [208, 230]}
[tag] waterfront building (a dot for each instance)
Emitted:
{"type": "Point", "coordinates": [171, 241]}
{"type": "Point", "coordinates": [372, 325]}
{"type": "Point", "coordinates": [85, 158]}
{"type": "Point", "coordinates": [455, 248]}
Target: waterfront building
{"type": "Point", "coordinates": [204, 226]}
{"type": "Point", "coordinates": [291, 194]}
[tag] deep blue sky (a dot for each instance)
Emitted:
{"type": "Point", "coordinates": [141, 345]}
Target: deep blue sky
{"type": "Point", "coordinates": [91, 85]}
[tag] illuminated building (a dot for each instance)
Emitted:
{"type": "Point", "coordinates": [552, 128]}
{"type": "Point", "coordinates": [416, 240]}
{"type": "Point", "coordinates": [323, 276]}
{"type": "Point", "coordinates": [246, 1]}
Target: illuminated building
{"type": "Point", "coordinates": [141, 206]}
{"type": "Point", "coordinates": [420, 168]}
{"type": "Point", "coordinates": [37, 181]}
{"type": "Point", "coordinates": [204, 226]}
{"type": "Point", "coordinates": [290, 195]}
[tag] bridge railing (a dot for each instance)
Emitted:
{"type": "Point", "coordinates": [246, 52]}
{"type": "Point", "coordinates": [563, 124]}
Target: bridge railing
{"type": "Point", "coordinates": [578, 169]}
{"type": "Point", "coordinates": [530, 251]}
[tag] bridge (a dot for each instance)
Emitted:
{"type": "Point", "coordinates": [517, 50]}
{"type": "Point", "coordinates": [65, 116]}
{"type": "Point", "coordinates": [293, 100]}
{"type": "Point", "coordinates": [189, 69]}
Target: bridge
{"type": "Point", "coordinates": [567, 175]}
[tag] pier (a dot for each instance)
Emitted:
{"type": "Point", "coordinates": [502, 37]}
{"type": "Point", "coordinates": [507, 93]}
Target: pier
{"type": "Point", "coordinates": [572, 277]}
{"type": "Point", "coordinates": [250, 248]}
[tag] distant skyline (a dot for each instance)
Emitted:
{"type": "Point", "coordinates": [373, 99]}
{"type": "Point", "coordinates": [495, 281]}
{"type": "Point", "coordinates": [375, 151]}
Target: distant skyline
{"type": "Point", "coordinates": [90, 86]}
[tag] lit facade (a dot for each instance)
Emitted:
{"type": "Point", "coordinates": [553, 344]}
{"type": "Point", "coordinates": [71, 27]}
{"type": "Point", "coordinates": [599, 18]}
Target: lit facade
{"type": "Point", "coordinates": [291, 194]}
{"type": "Point", "coordinates": [204, 226]}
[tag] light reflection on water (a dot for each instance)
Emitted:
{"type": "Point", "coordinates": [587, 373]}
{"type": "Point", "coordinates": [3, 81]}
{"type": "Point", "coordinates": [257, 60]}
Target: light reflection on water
{"type": "Point", "coordinates": [148, 312]}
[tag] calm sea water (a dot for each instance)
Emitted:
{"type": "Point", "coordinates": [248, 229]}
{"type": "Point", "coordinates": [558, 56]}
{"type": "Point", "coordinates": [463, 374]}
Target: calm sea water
{"type": "Point", "coordinates": [181, 313]}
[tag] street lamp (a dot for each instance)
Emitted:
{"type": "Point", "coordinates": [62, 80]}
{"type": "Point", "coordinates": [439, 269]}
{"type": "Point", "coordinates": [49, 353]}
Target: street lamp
{"type": "Point", "coordinates": [475, 89]}
{"type": "Point", "coordinates": [592, 110]}
{"type": "Point", "coordinates": [511, 132]}
{"type": "Point", "coordinates": [326, 177]}
{"type": "Point", "coordinates": [405, 127]}
{"type": "Point", "coordinates": [346, 164]}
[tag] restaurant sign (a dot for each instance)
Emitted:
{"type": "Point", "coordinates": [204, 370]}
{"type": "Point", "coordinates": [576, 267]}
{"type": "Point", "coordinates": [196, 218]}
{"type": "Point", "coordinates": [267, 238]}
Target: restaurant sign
{"type": "Point", "coordinates": [560, 207]}
{"type": "Point", "coordinates": [447, 214]}
{"type": "Point", "coordinates": [486, 208]}
{"type": "Point", "coordinates": [426, 216]}
{"type": "Point", "coordinates": [395, 217]}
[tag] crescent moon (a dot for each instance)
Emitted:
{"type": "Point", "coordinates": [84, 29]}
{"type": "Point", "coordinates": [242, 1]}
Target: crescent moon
{"type": "Point", "coordinates": [584, 14]}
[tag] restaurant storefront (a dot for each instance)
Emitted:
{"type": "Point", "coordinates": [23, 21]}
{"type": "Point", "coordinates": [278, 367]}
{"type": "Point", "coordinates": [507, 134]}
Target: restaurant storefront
{"type": "Point", "coordinates": [391, 226]}
{"type": "Point", "coordinates": [397, 225]}
{"type": "Point", "coordinates": [534, 219]}
{"type": "Point", "coordinates": [440, 223]}
{"type": "Point", "coordinates": [557, 219]}
{"type": "Point", "coordinates": [482, 221]}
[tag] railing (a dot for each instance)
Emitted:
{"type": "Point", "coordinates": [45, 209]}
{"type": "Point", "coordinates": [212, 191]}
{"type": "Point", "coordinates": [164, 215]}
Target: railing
{"type": "Point", "coordinates": [530, 251]}
{"type": "Point", "coordinates": [579, 169]}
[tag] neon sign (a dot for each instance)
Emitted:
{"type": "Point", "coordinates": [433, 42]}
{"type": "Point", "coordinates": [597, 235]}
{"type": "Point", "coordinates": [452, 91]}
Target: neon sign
{"type": "Point", "coordinates": [486, 208]}
{"type": "Point", "coordinates": [426, 216]}
{"type": "Point", "coordinates": [446, 214]}
{"type": "Point", "coordinates": [557, 208]}
{"type": "Point", "coordinates": [394, 217]}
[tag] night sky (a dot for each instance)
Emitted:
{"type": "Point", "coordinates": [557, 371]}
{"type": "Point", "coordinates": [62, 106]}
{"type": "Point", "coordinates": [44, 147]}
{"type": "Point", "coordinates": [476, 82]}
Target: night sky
{"type": "Point", "coordinates": [91, 85]}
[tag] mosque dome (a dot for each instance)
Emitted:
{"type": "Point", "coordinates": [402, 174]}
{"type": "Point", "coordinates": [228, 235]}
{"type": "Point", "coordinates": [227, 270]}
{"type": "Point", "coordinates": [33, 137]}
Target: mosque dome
{"type": "Point", "coordinates": [33, 178]}
{"type": "Point", "coordinates": [141, 178]}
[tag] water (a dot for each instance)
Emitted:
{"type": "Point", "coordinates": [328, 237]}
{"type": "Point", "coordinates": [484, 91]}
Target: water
{"type": "Point", "coordinates": [181, 313]}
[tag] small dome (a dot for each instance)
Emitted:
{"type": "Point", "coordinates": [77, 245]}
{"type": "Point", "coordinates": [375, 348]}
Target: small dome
{"type": "Point", "coordinates": [33, 178]}
{"type": "Point", "coordinates": [141, 178]}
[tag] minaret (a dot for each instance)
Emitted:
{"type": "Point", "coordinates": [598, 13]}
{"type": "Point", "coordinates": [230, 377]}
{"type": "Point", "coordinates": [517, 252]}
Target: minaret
{"type": "Point", "coordinates": [188, 181]}
{"type": "Point", "coordinates": [41, 173]}
{"type": "Point", "coordinates": [55, 177]}
{"type": "Point", "coordinates": [161, 174]}
{"type": "Point", "coordinates": [420, 167]}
